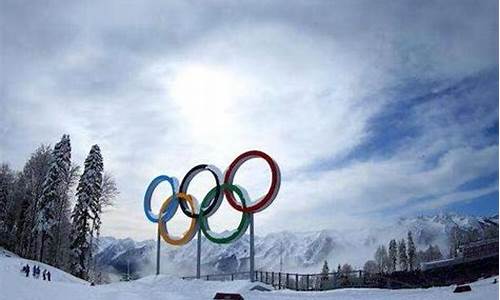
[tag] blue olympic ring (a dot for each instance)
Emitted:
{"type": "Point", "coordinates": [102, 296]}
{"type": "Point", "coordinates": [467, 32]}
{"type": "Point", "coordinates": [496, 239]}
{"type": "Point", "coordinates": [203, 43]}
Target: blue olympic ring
{"type": "Point", "coordinates": [174, 204]}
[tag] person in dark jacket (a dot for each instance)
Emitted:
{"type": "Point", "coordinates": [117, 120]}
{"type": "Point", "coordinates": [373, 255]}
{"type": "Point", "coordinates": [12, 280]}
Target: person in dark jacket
{"type": "Point", "coordinates": [27, 270]}
{"type": "Point", "coordinates": [44, 272]}
{"type": "Point", "coordinates": [48, 275]}
{"type": "Point", "coordinates": [34, 271]}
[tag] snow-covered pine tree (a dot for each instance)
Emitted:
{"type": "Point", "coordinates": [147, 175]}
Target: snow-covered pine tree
{"type": "Point", "coordinates": [85, 213]}
{"type": "Point", "coordinates": [393, 255]}
{"type": "Point", "coordinates": [80, 237]}
{"type": "Point", "coordinates": [48, 219]}
{"type": "Point", "coordinates": [96, 206]}
{"type": "Point", "coordinates": [45, 216]}
{"type": "Point", "coordinates": [403, 257]}
{"type": "Point", "coordinates": [325, 270]}
{"type": "Point", "coordinates": [109, 191]}
{"type": "Point", "coordinates": [61, 230]}
{"type": "Point", "coordinates": [323, 280]}
{"type": "Point", "coordinates": [412, 256]}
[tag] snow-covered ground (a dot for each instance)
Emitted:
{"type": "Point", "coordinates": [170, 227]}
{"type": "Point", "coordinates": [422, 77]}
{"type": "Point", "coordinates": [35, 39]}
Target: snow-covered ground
{"type": "Point", "coordinates": [14, 285]}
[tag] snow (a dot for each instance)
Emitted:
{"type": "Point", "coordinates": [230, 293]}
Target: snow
{"type": "Point", "coordinates": [13, 285]}
{"type": "Point", "coordinates": [11, 264]}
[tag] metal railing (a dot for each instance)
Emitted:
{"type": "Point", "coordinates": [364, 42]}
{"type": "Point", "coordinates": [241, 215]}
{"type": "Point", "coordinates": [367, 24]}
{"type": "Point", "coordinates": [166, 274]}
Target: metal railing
{"type": "Point", "coordinates": [301, 282]}
{"type": "Point", "coordinates": [465, 272]}
{"type": "Point", "coordinates": [222, 277]}
{"type": "Point", "coordinates": [316, 282]}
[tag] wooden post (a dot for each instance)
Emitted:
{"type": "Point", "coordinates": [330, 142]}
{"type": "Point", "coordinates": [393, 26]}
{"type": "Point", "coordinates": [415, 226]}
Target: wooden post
{"type": "Point", "coordinates": [287, 280]}
{"type": "Point", "coordinates": [307, 281]}
{"type": "Point", "coordinates": [279, 280]}
{"type": "Point", "coordinates": [296, 282]}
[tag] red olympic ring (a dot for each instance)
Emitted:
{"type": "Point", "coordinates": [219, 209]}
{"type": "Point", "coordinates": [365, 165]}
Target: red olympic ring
{"type": "Point", "coordinates": [271, 194]}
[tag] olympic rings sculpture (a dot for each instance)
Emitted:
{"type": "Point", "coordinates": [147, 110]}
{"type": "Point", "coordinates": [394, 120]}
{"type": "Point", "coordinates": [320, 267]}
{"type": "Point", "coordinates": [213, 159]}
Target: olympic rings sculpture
{"type": "Point", "coordinates": [199, 214]}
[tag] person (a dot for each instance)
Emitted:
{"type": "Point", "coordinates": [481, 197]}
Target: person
{"type": "Point", "coordinates": [27, 270]}
{"type": "Point", "coordinates": [44, 272]}
{"type": "Point", "coordinates": [48, 275]}
{"type": "Point", "coordinates": [34, 271]}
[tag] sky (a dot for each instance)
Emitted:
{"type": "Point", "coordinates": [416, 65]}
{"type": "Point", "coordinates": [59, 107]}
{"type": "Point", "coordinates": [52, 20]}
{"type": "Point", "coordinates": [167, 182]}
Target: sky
{"type": "Point", "coordinates": [374, 110]}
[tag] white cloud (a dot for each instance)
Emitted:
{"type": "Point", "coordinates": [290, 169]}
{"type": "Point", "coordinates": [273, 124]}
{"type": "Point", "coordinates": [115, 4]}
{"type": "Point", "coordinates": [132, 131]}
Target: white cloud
{"type": "Point", "coordinates": [191, 84]}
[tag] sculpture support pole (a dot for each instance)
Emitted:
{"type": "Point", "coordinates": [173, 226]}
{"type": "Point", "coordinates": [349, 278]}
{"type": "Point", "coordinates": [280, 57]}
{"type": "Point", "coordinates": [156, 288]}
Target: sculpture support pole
{"type": "Point", "coordinates": [158, 252]}
{"type": "Point", "coordinates": [252, 252]}
{"type": "Point", "coordinates": [198, 255]}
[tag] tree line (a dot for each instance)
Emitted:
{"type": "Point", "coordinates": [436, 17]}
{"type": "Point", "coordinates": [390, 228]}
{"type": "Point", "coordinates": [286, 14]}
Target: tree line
{"type": "Point", "coordinates": [37, 218]}
{"type": "Point", "coordinates": [402, 256]}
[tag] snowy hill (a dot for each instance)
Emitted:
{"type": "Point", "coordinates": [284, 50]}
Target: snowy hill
{"type": "Point", "coordinates": [11, 264]}
{"type": "Point", "coordinates": [13, 285]}
{"type": "Point", "coordinates": [303, 252]}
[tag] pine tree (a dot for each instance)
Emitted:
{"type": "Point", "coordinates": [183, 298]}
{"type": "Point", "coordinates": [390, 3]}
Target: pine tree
{"type": "Point", "coordinates": [325, 270]}
{"type": "Point", "coordinates": [85, 217]}
{"type": "Point", "coordinates": [393, 255]}
{"type": "Point", "coordinates": [62, 214]}
{"type": "Point", "coordinates": [54, 197]}
{"type": "Point", "coordinates": [412, 259]}
{"type": "Point", "coordinates": [403, 257]}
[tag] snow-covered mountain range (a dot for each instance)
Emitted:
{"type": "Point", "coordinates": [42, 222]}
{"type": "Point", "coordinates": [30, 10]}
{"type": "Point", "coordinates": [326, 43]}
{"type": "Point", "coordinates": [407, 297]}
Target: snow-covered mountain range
{"type": "Point", "coordinates": [294, 251]}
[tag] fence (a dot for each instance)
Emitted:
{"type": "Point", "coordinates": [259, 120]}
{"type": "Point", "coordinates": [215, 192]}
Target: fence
{"type": "Point", "coordinates": [302, 282]}
{"type": "Point", "coordinates": [318, 282]}
{"type": "Point", "coordinates": [222, 277]}
{"type": "Point", "coordinates": [443, 276]}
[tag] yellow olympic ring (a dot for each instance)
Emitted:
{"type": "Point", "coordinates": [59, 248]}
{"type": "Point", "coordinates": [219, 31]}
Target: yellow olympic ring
{"type": "Point", "coordinates": [193, 227]}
